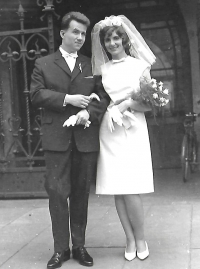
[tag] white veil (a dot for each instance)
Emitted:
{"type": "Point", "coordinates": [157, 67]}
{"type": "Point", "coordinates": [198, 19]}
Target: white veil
{"type": "Point", "coordinates": [138, 47]}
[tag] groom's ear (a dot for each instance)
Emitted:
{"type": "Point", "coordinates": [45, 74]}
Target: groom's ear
{"type": "Point", "coordinates": [62, 33]}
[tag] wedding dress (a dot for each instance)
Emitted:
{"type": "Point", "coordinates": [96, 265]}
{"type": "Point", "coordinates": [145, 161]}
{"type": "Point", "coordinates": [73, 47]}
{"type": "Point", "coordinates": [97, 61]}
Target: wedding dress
{"type": "Point", "coordinates": [124, 163]}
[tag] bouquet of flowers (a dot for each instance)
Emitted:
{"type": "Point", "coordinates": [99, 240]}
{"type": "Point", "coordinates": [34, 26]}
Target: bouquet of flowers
{"type": "Point", "coordinates": [152, 93]}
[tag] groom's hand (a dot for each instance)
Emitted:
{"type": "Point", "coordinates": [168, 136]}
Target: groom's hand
{"type": "Point", "coordinates": [77, 100]}
{"type": "Point", "coordinates": [82, 117]}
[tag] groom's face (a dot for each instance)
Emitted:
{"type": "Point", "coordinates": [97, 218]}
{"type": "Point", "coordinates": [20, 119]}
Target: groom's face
{"type": "Point", "coordinates": [74, 37]}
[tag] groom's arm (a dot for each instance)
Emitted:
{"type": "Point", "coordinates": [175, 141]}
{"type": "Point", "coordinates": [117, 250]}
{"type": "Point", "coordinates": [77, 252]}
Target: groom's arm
{"type": "Point", "coordinates": [41, 96]}
{"type": "Point", "coordinates": [97, 108]}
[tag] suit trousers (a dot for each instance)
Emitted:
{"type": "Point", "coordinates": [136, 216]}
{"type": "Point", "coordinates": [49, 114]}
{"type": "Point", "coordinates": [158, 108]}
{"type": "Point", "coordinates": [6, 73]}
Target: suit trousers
{"type": "Point", "coordinates": [68, 178]}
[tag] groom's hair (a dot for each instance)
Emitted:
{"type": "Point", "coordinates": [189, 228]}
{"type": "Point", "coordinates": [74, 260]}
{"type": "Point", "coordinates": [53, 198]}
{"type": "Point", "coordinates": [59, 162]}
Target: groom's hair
{"type": "Point", "coordinates": [107, 32]}
{"type": "Point", "coordinates": [76, 16]}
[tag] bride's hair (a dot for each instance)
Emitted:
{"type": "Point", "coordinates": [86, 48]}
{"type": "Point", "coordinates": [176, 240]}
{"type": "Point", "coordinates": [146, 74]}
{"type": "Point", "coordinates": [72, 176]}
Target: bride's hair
{"type": "Point", "coordinates": [107, 32]}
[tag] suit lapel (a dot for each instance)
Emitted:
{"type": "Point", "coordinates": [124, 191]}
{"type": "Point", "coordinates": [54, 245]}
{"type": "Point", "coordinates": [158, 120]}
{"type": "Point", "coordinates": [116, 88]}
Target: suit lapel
{"type": "Point", "coordinates": [78, 68]}
{"type": "Point", "coordinates": [60, 61]}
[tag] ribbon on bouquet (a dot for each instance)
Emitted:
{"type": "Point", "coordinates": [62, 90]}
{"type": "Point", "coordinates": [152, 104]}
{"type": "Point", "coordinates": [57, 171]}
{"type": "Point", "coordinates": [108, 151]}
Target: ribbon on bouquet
{"type": "Point", "coordinates": [127, 122]}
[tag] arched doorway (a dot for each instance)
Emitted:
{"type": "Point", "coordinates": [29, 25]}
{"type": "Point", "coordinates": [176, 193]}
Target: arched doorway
{"type": "Point", "coordinates": [162, 25]}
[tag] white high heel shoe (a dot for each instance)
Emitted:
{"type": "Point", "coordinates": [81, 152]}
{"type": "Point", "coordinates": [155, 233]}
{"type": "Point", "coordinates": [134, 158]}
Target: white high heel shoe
{"type": "Point", "coordinates": [130, 256]}
{"type": "Point", "coordinates": [143, 255]}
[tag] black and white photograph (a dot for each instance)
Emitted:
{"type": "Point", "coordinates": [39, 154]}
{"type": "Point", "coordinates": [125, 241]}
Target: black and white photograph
{"type": "Point", "coordinates": [100, 134]}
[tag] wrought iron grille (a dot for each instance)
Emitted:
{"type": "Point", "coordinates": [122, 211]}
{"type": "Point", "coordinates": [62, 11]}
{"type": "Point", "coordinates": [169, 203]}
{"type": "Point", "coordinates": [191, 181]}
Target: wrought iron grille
{"type": "Point", "coordinates": [20, 129]}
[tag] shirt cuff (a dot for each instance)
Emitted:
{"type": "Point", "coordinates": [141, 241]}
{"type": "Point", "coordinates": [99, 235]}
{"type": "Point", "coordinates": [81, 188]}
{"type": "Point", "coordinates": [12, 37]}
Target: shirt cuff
{"type": "Point", "coordinates": [65, 100]}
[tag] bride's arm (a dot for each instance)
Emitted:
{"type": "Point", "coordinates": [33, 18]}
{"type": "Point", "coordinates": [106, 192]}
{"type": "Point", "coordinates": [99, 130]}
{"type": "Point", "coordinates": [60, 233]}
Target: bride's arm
{"type": "Point", "coordinates": [135, 105]}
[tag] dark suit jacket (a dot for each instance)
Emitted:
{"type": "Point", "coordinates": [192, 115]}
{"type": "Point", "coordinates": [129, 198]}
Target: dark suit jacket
{"type": "Point", "coordinates": [51, 81]}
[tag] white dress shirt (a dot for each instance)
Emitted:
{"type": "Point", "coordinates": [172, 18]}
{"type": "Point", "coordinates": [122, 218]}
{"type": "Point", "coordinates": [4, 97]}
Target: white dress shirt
{"type": "Point", "coordinates": [70, 58]}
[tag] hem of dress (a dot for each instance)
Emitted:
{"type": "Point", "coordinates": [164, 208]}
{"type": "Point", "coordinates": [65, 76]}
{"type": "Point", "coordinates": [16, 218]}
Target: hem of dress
{"type": "Point", "coordinates": [98, 193]}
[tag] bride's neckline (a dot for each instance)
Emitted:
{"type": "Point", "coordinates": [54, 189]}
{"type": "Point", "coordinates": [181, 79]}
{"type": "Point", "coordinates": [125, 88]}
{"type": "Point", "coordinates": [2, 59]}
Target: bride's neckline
{"type": "Point", "coordinates": [119, 60]}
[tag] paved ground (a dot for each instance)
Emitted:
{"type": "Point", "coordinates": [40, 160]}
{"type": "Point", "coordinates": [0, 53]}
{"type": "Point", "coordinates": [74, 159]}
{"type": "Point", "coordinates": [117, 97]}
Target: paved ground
{"type": "Point", "coordinates": [172, 217]}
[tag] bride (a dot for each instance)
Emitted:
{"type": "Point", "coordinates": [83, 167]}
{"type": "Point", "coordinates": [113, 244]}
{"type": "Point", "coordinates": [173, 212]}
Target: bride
{"type": "Point", "coordinates": [121, 56]}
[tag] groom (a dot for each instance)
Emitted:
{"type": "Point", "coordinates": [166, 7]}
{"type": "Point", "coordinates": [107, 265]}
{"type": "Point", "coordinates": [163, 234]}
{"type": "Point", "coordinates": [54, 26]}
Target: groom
{"type": "Point", "coordinates": [62, 83]}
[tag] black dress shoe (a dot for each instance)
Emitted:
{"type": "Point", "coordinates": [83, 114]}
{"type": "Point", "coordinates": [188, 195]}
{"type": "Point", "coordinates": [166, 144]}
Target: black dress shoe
{"type": "Point", "coordinates": [58, 258]}
{"type": "Point", "coordinates": [82, 256]}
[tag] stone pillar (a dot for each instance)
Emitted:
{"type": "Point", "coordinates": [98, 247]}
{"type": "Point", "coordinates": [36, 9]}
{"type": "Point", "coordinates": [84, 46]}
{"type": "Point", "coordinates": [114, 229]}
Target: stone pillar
{"type": "Point", "coordinates": [191, 12]}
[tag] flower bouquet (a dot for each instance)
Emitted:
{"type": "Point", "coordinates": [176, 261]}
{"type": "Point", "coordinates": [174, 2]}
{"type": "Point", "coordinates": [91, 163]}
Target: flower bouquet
{"type": "Point", "coordinates": [151, 93]}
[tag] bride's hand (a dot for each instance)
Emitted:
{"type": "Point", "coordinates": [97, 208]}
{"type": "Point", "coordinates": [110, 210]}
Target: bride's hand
{"type": "Point", "coordinates": [123, 106]}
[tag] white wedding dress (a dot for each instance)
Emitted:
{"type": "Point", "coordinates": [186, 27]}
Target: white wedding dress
{"type": "Point", "coordinates": [124, 163]}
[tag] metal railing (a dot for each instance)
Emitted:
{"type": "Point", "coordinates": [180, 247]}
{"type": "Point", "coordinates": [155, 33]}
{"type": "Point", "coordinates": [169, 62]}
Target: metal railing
{"type": "Point", "coordinates": [20, 129]}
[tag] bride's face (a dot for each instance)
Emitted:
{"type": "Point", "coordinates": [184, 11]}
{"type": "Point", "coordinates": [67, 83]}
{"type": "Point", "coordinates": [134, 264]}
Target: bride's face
{"type": "Point", "coordinates": [114, 46]}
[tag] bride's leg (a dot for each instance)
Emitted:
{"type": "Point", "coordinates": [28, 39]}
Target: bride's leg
{"type": "Point", "coordinates": [123, 216]}
{"type": "Point", "coordinates": [135, 213]}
